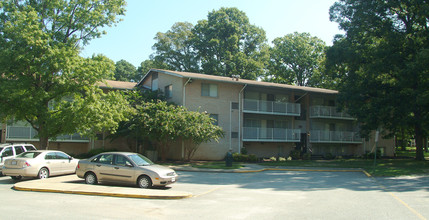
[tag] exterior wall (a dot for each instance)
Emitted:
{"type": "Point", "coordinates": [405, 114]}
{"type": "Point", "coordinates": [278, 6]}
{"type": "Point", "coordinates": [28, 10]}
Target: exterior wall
{"type": "Point", "coordinates": [228, 118]}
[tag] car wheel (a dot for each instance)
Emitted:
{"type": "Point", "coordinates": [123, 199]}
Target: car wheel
{"type": "Point", "coordinates": [43, 173]}
{"type": "Point", "coordinates": [144, 182]}
{"type": "Point", "coordinates": [16, 177]}
{"type": "Point", "coordinates": [91, 178]}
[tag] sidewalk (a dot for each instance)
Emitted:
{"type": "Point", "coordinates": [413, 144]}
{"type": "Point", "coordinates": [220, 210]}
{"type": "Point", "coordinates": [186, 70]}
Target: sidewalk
{"type": "Point", "coordinates": [73, 185]}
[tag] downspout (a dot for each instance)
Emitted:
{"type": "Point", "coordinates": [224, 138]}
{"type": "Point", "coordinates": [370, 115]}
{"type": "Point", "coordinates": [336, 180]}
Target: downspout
{"type": "Point", "coordinates": [184, 105]}
{"type": "Point", "coordinates": [240, 104]}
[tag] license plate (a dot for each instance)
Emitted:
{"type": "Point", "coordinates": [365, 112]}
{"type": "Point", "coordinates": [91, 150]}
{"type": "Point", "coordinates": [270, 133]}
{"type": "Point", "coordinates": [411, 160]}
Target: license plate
{"type": "Point", "coordinates": [14, 162]}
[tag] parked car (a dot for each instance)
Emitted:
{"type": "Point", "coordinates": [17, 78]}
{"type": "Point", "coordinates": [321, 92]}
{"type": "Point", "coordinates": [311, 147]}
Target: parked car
{"type": "Point", "coordinates": [40, 163]}
{"type": "Point", "coordinates": [125, 167]}
{"type": "Point", "coordinates": [8, 151]}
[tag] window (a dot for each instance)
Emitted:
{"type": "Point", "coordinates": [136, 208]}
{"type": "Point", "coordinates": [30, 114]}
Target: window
{"type": "Point", "coordinates": [122, 161]}
{"type": "Point", "coordinates": [209, 90]}
{"type": "Point", "coordinates": [215, 117]}
{"type": "Point", "coordinates": [50, 156]}
{"type": "Point", "coordinates": [18, 150]}
{"type": "Point", "coordinates": [154, 81]}
{"type": "Point", "coordinates": [234, 105]}
{"type": "Point", "coordinates": [106, 159]}
{"type": "Point", "coordinates": [7, 152]}
{"type": "Point", "coordinates": [29, 147]}
{"type": "Point", "coordinates": [61, 156]}
{"type": "Point", "coordinates": [168, 91]}
{"type": "Point", "coordinates": [234, 134]}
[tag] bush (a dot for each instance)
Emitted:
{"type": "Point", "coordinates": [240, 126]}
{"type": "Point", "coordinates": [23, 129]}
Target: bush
{"type": "Point", "coordinates": [295, 154]}
{"type": "Point", "coordinates": [329, 156]}
{"type": "Point", "coordinates": [306, 156]}
{"type": "Point", "coordinates": [244, 158]}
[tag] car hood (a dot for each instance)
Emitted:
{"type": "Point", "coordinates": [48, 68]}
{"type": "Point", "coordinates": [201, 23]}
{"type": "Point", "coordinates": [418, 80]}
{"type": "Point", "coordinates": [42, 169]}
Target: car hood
{"type": "Point", "coordinates": [158, 168]}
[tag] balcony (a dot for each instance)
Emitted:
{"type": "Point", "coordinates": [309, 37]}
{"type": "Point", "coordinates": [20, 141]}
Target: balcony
{"type": "Point", "coordinates": [325, 136]}
{"type": "Point", "coordinates": [271, 107]}
{"type": "Point", "coordinates": [21, 133]}
{"type": "Point", "coordinates": [330, 112]}
{"type": "Point", "coordinates": [271, 134]}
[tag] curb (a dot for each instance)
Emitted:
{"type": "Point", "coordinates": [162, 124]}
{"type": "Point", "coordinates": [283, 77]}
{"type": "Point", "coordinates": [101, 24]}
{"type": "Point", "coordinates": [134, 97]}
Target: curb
{"type": "Point", "coordinates": [102, 194]}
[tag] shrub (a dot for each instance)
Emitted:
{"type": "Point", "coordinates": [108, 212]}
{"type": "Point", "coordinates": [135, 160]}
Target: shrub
{"type": "Point", "coordinates": [282, 159]}
{"type": "Point", "coordinates": [295, 154]}
{"type": "Point", "coordinates": [306, 156]}
{"type": "Point", "coordinates": [329, 156]}
{"type": "Point", "coordinates": [244, 158]}
{"type": "Point", "coordinates": [273, 158]}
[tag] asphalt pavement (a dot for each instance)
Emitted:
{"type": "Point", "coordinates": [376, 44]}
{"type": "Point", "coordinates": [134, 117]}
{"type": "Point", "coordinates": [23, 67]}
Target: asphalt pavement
{"type": "Point", "coordinates": [71, 184]}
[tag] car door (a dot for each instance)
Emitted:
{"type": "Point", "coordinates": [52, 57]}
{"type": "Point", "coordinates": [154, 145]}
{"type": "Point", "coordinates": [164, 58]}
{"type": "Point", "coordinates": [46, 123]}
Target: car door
{"type": "Point", "coordinates": [123, 169]}
{"type": "Point", "coordinates": [52, 163]}
{"type": "Point", "coordinates": [104, 167]}
{"type": "Point", "coordinates": [67, 164]}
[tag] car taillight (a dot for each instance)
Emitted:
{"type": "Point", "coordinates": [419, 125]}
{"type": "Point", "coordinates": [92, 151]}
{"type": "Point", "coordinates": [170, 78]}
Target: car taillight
{"type": "Point", "coordinates": [78, 166]}
{"type": "Point", "coordinates": [26, 164]}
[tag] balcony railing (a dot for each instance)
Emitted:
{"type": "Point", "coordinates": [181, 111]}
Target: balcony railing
{"type": "Point", "coordinates": [29, 133]}
{"type": "Point", "coordinates": [324, 136]}
{"type": "Point", "coordinates": [319, 111]}
{"type": "Point", "coordinates": [271, 134]}
{"type": "Point", "coordinates": [270, 107]}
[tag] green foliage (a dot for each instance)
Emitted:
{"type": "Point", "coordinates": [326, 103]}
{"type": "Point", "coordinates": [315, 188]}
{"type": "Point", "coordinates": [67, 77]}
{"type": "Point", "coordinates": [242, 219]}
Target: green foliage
{"type": "Point", "coordinates": [93, 152]}
{"type": "Point", "coordinates": [41, 68]}
{"type": "Point", "coordinates": [297, 59]}
{"type": "Point", "coordinates": [146, 65]}
{"type": "Point", "coordinates": [165, 123]}
{"type": "Point", "coordinates": [383, 58]}
{"type": "Point", "coordinates": [295, 154]}
{"type": "Point", "coordinates": [125, 71]}
{"type": "Point", "coordinates": [237, 157]}
{"type": "Point", "coordinates": [306, 156]}
{"type": "Point", "coordinates": [229, 45]}
{"type": "Point", "coordinates": [174, 48]}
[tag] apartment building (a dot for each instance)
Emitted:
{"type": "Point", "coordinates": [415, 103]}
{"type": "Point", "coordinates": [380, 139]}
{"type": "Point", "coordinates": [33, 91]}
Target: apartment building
{"type": "Point", "coordinates": [267, 119]}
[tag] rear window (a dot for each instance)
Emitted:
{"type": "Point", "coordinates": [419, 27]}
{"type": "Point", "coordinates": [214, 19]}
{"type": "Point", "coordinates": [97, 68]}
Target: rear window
{"type": "Point", "coordinates": [29, 147]}
{"type": "Point", "coordinates": [29, 155]}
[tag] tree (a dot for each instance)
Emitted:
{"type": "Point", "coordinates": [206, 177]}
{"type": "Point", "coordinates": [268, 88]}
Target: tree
{"type": "Point", "coordinates": [43, 80]}
{"type": "Point", "coordinates": [146, 65]}
{"type": "Point", "coordinates": [297, 59]}
{"type": "Point", "coordinates": [125, 71]}
{"type": "Point", "coordinates": [165, 123]}
{"type": "Point", "coordinates": [227, 44]}
{"type": "Point", "coordinates": [385, 52]}
{"type": "Point", "coordinates": [174, 48]}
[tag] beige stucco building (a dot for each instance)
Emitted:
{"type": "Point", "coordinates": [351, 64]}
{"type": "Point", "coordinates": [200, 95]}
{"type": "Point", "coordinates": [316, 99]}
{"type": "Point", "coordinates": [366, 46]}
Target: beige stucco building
{"type": "Point", "coordinates": [267, 119]}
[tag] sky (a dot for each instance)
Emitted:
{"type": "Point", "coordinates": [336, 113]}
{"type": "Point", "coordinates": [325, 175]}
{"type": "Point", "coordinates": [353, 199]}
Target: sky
{"type": "Point", "coordinates": [132, 38]}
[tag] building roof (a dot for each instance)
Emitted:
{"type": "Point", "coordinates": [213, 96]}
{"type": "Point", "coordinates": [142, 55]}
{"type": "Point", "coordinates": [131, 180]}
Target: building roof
{"type": "Point", "coordinates": [111, 84]}
{"type": "Point", "coordinates": [239, 81]}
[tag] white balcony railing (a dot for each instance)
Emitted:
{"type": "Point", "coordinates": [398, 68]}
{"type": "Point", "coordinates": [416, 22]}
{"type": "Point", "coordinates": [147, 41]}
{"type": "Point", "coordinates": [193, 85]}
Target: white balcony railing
{"type": "Point", "coordinates": [325, 136]}
{"type": "Point", "coordinates": [271, 107]}
{"type": "Point", "coordinates": [271, 134]}
{"type": "Point", "coordinates": [319, 111]}
{"type": "Point", "coordinates": [22, 133]}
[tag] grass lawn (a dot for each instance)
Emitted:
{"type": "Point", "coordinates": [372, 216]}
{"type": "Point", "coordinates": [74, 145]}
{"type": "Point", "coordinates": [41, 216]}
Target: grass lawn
{"type": "Point", "coordinates": [384, 167]}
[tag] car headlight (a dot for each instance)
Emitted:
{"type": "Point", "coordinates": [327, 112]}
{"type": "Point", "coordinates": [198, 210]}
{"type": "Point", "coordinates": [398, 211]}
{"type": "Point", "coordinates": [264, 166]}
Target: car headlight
{"type": "Point", "coordinates": [171, 174]}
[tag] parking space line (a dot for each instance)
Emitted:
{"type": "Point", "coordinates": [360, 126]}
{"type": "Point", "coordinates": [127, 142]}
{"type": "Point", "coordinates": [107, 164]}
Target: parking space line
{"type": "Point", "coordinates": [415, 212]}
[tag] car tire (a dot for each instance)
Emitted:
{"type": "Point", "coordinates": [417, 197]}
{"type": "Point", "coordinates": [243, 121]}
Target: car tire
{"type": "Point", "coordinates": [91, 178]}
{"type": "Point", "coordinates": [144, 182]}
{"type": "Point", "coordinates": [16, 177]}
{"type": "Point", "coordinates": [43, 173]}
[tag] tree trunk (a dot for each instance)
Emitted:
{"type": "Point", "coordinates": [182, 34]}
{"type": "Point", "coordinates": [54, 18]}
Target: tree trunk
{"type": "Point", "coordinates": [44, 143]}
{"type": "Point", "coordinates": [419, 143]}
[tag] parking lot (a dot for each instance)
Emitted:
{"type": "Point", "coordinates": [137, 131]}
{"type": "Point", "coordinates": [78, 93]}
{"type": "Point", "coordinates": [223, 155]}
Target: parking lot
{"type": "Point", "coordinates": [260, 195]}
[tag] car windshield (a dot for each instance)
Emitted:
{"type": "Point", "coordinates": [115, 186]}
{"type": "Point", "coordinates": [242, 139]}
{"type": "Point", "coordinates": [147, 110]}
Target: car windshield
{"type": "Point", "coordinates": [140, 160]}
{"type": "Point", "coordinates": [29, 155]}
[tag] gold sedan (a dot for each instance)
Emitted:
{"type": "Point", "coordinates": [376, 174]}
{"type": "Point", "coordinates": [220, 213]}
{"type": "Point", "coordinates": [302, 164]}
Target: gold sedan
{"type": "Point", "coordinates": [40, 164]}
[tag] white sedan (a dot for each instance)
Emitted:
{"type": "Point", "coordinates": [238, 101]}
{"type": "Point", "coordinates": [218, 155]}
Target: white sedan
{"type": "Point", "coordinates": [40, 164]}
